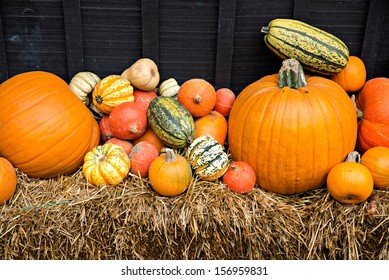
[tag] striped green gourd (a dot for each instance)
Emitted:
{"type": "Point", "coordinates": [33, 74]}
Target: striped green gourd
{"type": "Point", "coordinates": [207, 158]}
{"type": "Point", "coordinates": [171, 122]}
{"type": "Point", "coordinates": [317, 50]}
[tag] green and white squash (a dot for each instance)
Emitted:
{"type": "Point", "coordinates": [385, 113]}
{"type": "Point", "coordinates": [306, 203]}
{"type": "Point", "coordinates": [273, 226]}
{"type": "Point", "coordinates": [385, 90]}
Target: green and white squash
{"type": "Point", "coordinates": [207, 158]}
{"type": "Point", "coordinates": [82, 84]}
{"type": "Point", "coordinates": [316, 49]}
{"type": "Point", "coordinates": [171, 122]}
{"type": "Point", "coordinates": [169, 88]}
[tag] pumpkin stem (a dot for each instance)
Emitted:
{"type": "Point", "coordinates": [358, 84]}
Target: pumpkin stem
{"type": "Point", "coordinates": [265, 29]}
{"type": "Point", "coordinates": [197, 99]}
{"type": "Point", "coordinates": [353, 156]}
{"type": "Point", "coordinates": [359, 112]}
{"type": "Point", "coordinates": [291, 74]}
{"type": "Point", "coordinates": [170, 155]}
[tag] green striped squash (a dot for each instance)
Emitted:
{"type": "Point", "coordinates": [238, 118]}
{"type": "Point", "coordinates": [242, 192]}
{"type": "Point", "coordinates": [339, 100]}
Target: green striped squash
{"type": "Point", "coordinates": [317, 51]}
{"type": "Point", "coordinates": [171, 122]}
{"type": "Point", "coordinates": [207, 158]}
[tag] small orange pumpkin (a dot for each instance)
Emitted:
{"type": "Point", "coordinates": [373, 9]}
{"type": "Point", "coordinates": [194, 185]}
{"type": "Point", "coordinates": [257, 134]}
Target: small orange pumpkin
{"type": "Point", "coordinates": [350, 182]}
{"type": "Point", "coordinates": [213, 124]}
{"type": "Point", "coordinates": [170, 174]}
{"type": "Point", "coordinates": [110, 92]}
{"type": "Point", "coordinates": [240, 177]}
{"type": "Point", "coordinates": [376, 159]}
{"type": "Point", "coordinates": [224, 100]}
{"type": "Point", "coordinates": [151, 137]}
{"type": "Point", "coordinates": [141, 156]}
{"type": "Point", "coordinates": [143, 98]}
{"type": "Point", "coordinates": [105, 130]}
{"type": "Point", "coordinates": [7, 180]}
{"type": "Point", "coordinates": [198, 96]}
{"type": "Point", "coordinates": [353, 76]}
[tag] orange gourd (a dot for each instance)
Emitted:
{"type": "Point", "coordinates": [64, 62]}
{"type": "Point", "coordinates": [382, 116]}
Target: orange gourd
{"type": "Point", "coordinates": [45, 129]}
{"type": "Point", "coordinates": [151, 137]}
{"type": "Point", "coordinates": [376, 159]}
{"type": "Point", "coordinates": [350, 182]}
{"type": "Point", "coordinates": [198, 96]}
{"type": "Point", "coordinates": [292, 129]}
{"type": "Point", "coordinates": [110, 92]}
{"type": "Point", "coordinates": [224, 100]}
{"type": "Point", "coordinates": [213, 124]}
{"type": "Point", "coordinates": [373, 113]}
{"type": "Point", "coordinates": [143, 98]}
{"type": "Point", "coordinates": [239, 177]}
{"type": "Point", "coordinates": [7, 180]}
{"type": "Point", "coordinates": [105, 130]}
{"type": "Point", "coordinates": [353, 76]}
{"type": "Point", "coordinates": [170, 174]}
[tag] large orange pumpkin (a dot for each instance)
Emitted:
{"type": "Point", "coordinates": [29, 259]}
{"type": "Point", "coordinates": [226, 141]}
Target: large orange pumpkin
{"type": "Point", "coordinates": [292, 129]}
{"type": "Point", "coordinates": [373, 104]}
{"type": "Point", "coordinates": [45, 129]}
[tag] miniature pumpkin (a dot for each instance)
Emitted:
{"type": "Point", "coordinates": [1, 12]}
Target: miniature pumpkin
{"type": "Point", "coordinates": [353, 76]}
{"type": "Point", "coordinates": [350, 182]}
{"type": "Point", "coordinates": [82, 84]}
{"type": "Point", "coordinates": [376, 159]}
{"type": "Point", "coordinates": [372, 106]}
{"type": "Point", "coordinates": [45, 129]}
{"type": "Point", "coordinates": [239, 177]}
{"type": "Point", "coordinates": [105, 130]}
{"type": "Point", "coordinates": [207, 158]}
{"type": "Point", "coordinates": [151, 137]}
{"type": "Point", "coordinates": [7, 180]}
{"type": "Point", "coordinates": [292, 129]}
{"type": "Point", "coordinates": [143, 74]}
{"type": "Point", "coordinates": [112, 91]}
{"type": "Point", "coordinates": [143, 98]}
{"type": "Point", "coordinates": [170, 174]}
{"type": "Point", "coordinates": [213, 124]}
{"type": "Point", "coordinates": [125, 144]}
{"type": "Point", "coordinates": [106, 164]}
{"type": "Point", "coordinates": [141, 156]}
{"type": "Point", "coordinates": [169, 88]}
{"type": "Point", "coordinates": [224, 100]}
{"type": "Point", "coordinates": [198, 96]}
{"type": "Point", "coordinates": [128, 121]}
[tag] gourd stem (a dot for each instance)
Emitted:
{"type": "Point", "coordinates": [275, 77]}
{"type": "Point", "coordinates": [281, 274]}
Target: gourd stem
{"type": "Point", "coordinates": [359, 112]}
{"type": "Point", "coordinates": [291, 74]}
{"type": "Point", "coordinates": [265, 29]}
{"type": "Point", "coordinates": [170, 155]}
{"type": "Point", "coordinates": [353, 156]}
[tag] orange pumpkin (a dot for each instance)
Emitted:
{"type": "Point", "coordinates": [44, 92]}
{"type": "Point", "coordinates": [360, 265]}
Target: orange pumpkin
{"type": "Point", "coordinates": [105, 130]}
{"type": "Point", "coordinates": [224, 100]}
{"type": "Point", "coordinates": [372, 106]}
{"type": "Point", "coordinates": [141, 156]}
{"type": "Point", "coordinates": [170, 174]}
{"type": "Point", "coordinates": [7, 180]}
{"type": "Point", "coordinates": [376, 159]}
{"type": "Point", "coordinates": [143, 98]}
{"type": "Point", "coordinates": [45, 129]}
{"type": "Point", "coordinates": [125, 144]}
{"type": "Point", "coordinates": [350, 182]}
{"type": "Point", "coordinates": [353, 76]}
{"type": "Point", "coordinates": [292, 129]}
{"type": "Point", "coordinates": [213, 124]}
{"type": "Point", "coordinates": [110, 92]}
{"type": "Point", "coordinates": [198, 96]}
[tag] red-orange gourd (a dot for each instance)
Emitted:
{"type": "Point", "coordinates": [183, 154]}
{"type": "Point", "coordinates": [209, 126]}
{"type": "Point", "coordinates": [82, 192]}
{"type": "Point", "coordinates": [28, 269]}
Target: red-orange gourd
{"type": "Point", "coordinates": [151, 137]}
{"type": "Point", "coordinates": [292, 129]}
{"type": "Point", "coordinates": [353, 76]}
{"type": "Point", "coordinates": [213, 124]}
{"type": "Point", "coordinates": [198, 96]}
{"type": "Point", "coordinates": [376, 159]}
{"type": "Point", "coordinates": [7, 180]}
{"type": "Point", "coordinates": [105, 130]}
{"type": "Point", "coordinates": [239, 177]}
{"type": "Point", "coordinates": [125, 144]}
{"type": "Point", "coordinates": [143, 98]}
{"type": "Point", "coordinates": [373, 103]}
{"type": "Point", "coordinates": [45, 129]}
{"type": "Point", "coordinates": [141, 156]}
{"type": "Point", "coordinates": [224, 100]}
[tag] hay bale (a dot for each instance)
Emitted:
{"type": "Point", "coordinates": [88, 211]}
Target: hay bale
{"type": "Point", "coordinates": [65, 218]}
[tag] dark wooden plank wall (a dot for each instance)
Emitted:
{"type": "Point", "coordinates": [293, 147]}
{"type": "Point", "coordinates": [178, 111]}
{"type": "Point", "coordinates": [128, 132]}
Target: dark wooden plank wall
{"type": "Point", "coordinates": [218, 40]}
